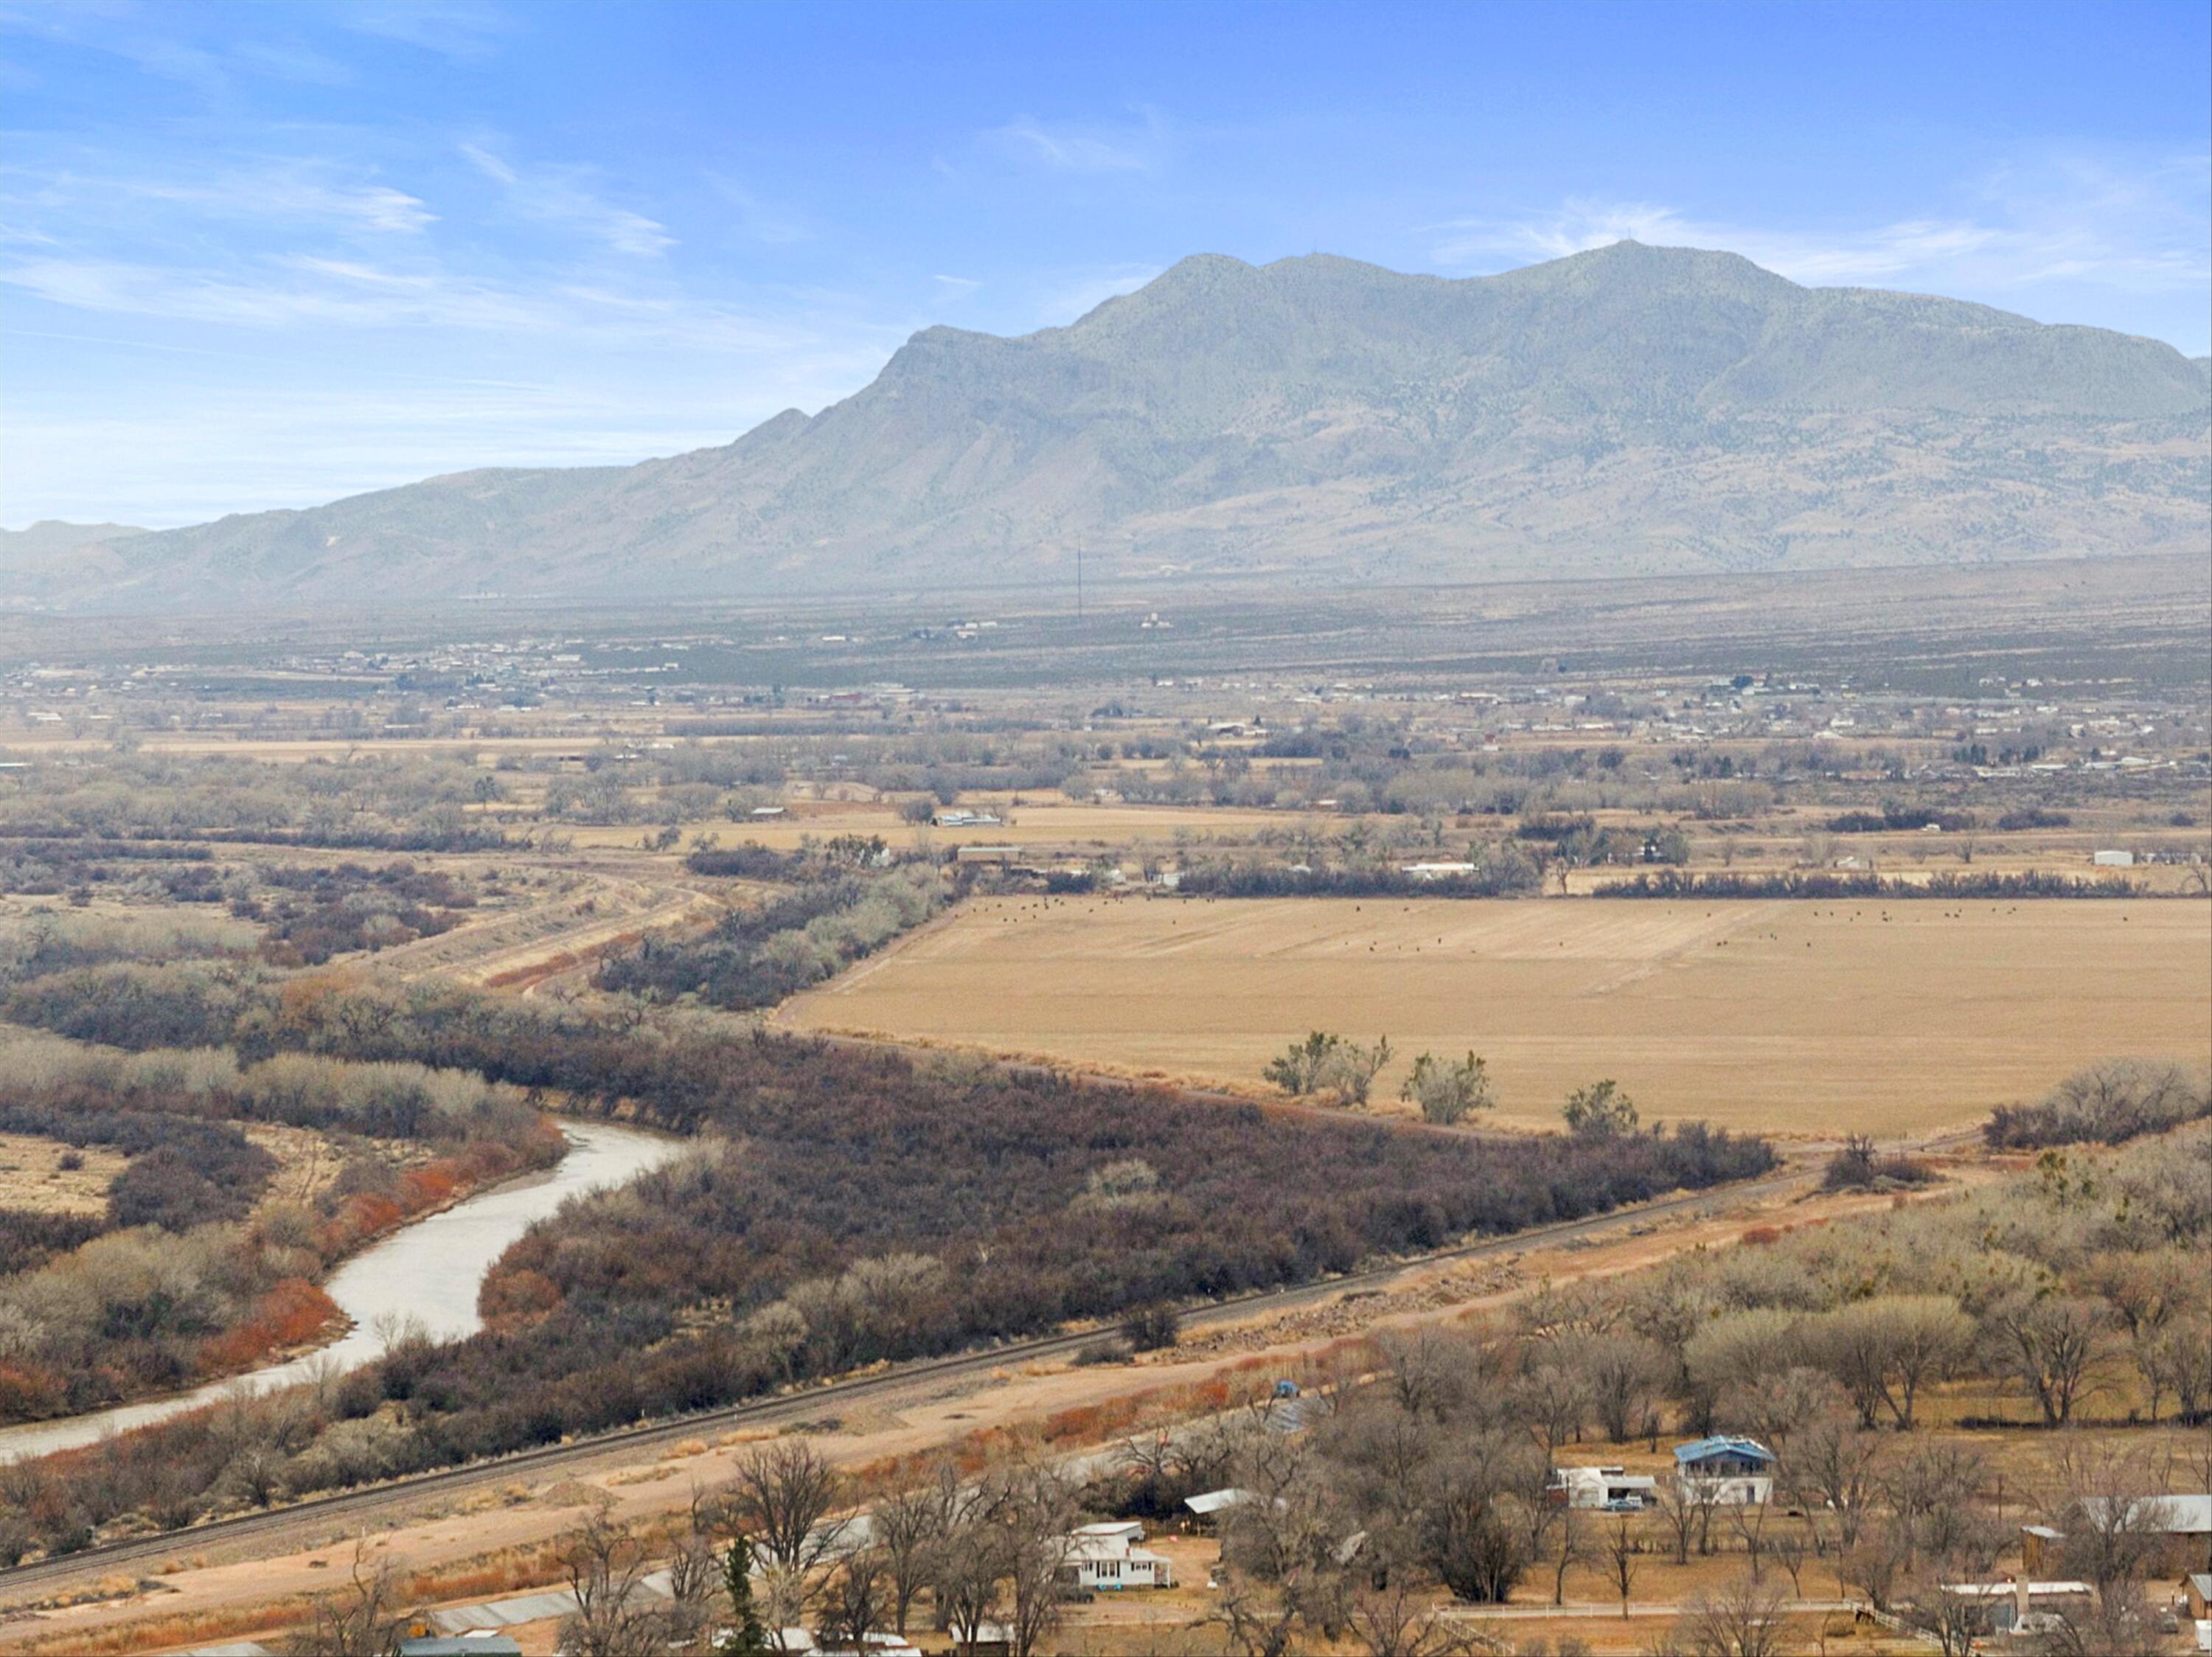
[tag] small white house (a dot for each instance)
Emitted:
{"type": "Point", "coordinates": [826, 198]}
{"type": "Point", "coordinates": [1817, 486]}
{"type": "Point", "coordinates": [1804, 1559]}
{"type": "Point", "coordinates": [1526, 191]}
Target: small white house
{"type": "Point", "coordinates": [1725, 1471]}
{"type": "Point", "coordinates": [2113, 859]}
{"type": "Point", "coordinates": [1615, 1490]}
{"type": "Point", "coordinates": [1106, 1558]}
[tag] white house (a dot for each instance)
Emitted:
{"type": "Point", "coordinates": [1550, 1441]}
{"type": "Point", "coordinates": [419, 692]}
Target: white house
{"type": "Point", "coordinates": [1724, 1472]}
{"type": "Point", "coordinates": [2113, 859]}
{"type": "Point", "coordinates": [1613, 1489]}
{"type": "Point", "coordinates": [1107, 1556]}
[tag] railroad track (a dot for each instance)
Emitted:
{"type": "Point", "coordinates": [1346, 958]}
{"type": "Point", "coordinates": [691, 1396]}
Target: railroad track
{"type": "Point", "coordinates": [796, 1409]}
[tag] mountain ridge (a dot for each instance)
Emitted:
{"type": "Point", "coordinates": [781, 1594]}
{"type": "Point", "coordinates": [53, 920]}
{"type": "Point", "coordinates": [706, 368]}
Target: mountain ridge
{"type": "Point", "coordinates": [1627, 411]}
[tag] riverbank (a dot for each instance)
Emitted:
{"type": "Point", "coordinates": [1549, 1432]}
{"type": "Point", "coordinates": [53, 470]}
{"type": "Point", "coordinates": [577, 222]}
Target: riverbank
{"type": "Point", "coordinates": [422, 1276]}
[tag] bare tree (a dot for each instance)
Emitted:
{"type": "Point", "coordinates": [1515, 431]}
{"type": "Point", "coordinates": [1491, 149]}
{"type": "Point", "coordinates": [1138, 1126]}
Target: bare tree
{"type": "Point", "coordinates": [1573, 1549]}
{"type": "Point", "coordinates": [857, 1601]}
{"type": "Point", "coordinates": [968, 1565]}
{"type": "Point", "coordinates": [604, 1565]}
{"type": "Point", "coordinates": [1931, 1490]}
{"type": "Point", "coordinates": [2115, 1623]}
{"type": "Point", "coordinates": [365, 1619]}
{"type": "Point", "coordinates": [908, 1524]}
{"type": "Point", "coordinates": [1626, 1374]}
{"type": "Point", "coordinates": [2051, 1343]}
{"type": "Point", "coordinates": [1742, 1620]}
{"type": "Point", "coordinates": [1748, 1520]}
{"type": "Point", "coordinates": [1035, 1508]}
{"type": "Point", "coordinates": [1398, 1617]}
{"type": "Point", "coordinates": [2114, 1524]}
{"type": "Point", "coordinates": [1278, 1565]}
{"type": "Point", "coordinates": [1683, 1509]}
{"type": "Point", "coordinates": [1622, 1556]}
{"type": "Point", "coordinates": [1835, 1464]}
{"type": "Point", "coordinates": [781, 1497]}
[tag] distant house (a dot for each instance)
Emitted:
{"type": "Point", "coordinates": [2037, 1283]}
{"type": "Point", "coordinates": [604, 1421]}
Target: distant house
{"type": "Point", "coordinates": [1724, 1472]}
{"type": "Point", "coordinates": [2113, 859]}
{"type": "Point", "coordinates": [1000, 854]}
{"type": "Point", "coordinates": [762, 813]}
{"type": "Point", "coordinates": [1615, 1489]}
{"type": "Point", "coordinates": [951, 819]}
{"type": "Point", "coordinates": [1436, 871]}
{"type": "Point", "coordinates": [2200, 1596]}
{"type": "Point", "coordinates": [1106, 1557]}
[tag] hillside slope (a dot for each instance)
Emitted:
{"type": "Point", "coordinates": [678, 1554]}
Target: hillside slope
{"type": "Point", "coordinates": [1629, 410]}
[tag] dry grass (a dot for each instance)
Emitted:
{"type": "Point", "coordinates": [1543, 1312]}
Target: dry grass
{"type": "Point", "coordinates": [1785, 1016]}
{"type": "Point", "coordinates": [31, 1175]}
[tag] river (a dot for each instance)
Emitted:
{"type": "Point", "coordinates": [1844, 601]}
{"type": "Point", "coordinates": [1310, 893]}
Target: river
{"type": "Point", "coordinates": [427, 1272]}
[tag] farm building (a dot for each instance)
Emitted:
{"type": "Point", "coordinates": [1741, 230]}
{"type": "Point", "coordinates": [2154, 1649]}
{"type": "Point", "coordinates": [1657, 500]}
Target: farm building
{"type": "Point", "coordinates": [2022, 1606]}
{"type": "Point", "coordinates": [1725, 1471]}
{"type": "Point", "coordinates": [1000, 854]}
{"type": "Point", "coordinates": [2113, 859]}
{"type": "Point", "coordinates": [2185, 1522]}
{"type": "Point", "coordinates": [1613, 1489]}
{"type": "Point", "coordinates": [1106, 1558]}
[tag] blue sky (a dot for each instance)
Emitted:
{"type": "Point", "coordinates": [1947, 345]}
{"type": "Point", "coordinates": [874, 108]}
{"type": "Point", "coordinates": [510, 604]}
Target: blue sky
{"type": "Point", "coordinates": [267, 254]}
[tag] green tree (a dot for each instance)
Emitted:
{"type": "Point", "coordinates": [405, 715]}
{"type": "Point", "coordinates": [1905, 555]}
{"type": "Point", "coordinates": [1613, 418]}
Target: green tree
{"type": "Point", "coordinates": [1447, 1090]}
{"type": "Point", "coordinates": [1298, 1069]}
{"type": "Point", "coordinates": [1600, 1111]}
{"type": "Point", "coordinates": [746, 1636]}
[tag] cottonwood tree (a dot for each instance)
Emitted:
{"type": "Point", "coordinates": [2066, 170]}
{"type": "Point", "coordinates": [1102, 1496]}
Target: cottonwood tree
{"type": "Point", "coordinates": [1884, 1351]}
{"type": "Point", "coordinates": [1035, 1508]}
{"type": "Point", "coordinates": [1835, 1463]}
{"type": "Point", "coordinates": [2051, 1343]}
{"type": "Point", "coordinates": [781, 1496]}
{"type": "Point", "coordinates": [1931, 1490]}
{"type": "Point", "coordinates": [1626, 1378]}
{"type": "Point", "coordinates": [1278, 1567]}
{"type": "Point", "coordinates": [908, 1524]}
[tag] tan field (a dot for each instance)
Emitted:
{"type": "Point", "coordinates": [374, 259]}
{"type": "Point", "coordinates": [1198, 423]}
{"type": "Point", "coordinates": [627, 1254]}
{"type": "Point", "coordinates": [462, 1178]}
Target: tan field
{"type": "Point", "coordinates": [1787, 1016]}
{"type": "Point", "coordinates": [33, 1175]}
{"type": "Point", "coordinates": [1046, 822]}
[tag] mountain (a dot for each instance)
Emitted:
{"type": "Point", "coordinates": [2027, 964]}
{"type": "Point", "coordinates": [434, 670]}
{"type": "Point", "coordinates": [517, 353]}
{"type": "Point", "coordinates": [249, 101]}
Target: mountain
{"type": "Point", "coordinates": [1629, 410]}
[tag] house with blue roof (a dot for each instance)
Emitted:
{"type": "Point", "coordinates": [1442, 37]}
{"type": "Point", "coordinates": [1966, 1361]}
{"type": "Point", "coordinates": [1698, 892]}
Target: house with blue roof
{"type": "Point", "coordinates": [1725, 1471]}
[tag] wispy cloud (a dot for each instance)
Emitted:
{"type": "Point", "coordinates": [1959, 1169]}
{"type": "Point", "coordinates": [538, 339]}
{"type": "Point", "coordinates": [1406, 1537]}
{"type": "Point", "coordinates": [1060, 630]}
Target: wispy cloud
{"type": "Point", "coordinates": [755, 219]}
{"type": "Point", "coordinates": [1141, 146]}
{"type": "Point", "coordinates": [564, 196]}
{"type": "Point", "coordinates": [470, 30]}
{"type": "Point", "coordinates": [2065, 218]}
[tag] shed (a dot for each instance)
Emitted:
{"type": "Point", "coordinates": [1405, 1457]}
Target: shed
{"type": "Point", "coordinates": [461, 1645]}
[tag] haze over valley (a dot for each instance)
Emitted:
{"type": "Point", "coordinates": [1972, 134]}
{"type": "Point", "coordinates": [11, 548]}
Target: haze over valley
{"type": "Point", "coordinates": [1628, 412]}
